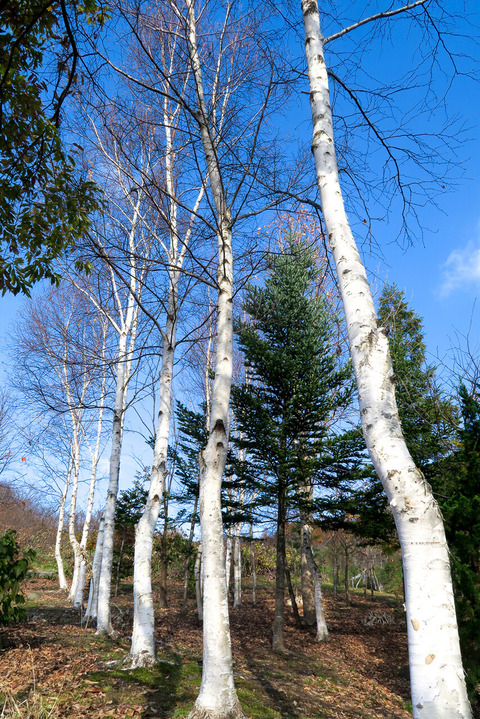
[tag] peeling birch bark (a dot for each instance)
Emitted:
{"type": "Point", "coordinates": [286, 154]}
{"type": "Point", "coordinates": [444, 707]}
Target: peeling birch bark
{"type": "Point", "coordinates": [437, 678]}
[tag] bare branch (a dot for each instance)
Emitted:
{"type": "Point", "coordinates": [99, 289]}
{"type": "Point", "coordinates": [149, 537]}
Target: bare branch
{"type": "Point", "coordinates": [372, 18]}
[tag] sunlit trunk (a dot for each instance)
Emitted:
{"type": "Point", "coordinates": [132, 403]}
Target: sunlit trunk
{"type": "Point", "coordinates": [217, 698]}
{"type": "Point", "coordinates": [82, 573]}
{"type": "Point", "coordinates": [308, 590]}
{"type": "Point", "coordinates": [104, 624]}
{"type": "Point", "coordinates": [315, 573]}
{"type": "Point", "coordinates": [91, 610]}
{"type": "Point", "coordinates": [73, 505]}
{"type": "Point", "coordinates": [198, 583]}
{"type": "Point", "coordinates": [437, 678]}
{"type": "Point", "coordinates": [62, 580]}
{"type": "Point", "coordinates": [142, 652]}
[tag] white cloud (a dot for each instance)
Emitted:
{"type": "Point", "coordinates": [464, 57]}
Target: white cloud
{"type": "Point", "coordinates": [461, 270]}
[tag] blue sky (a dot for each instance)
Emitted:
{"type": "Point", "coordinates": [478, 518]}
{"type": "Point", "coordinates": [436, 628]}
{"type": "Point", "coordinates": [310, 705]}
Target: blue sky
{"type": "Point", "coordinates": [440, 273]}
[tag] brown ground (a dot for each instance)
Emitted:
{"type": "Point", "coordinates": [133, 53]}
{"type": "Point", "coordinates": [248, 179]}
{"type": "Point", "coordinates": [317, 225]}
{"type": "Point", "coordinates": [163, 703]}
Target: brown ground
{"type": "Point", "coordinates": [359, 674]}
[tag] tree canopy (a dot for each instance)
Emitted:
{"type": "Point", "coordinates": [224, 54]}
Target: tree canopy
{"type": "Point", "coordinates": [45, 202]}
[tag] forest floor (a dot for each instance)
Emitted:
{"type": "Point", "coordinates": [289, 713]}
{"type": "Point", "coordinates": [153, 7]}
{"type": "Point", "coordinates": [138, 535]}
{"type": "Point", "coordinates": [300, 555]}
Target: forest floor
{"type": "Point", "coordinates": [52, 667]}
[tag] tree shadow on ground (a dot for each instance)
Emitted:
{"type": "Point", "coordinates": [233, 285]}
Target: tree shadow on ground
{"type": "Point", "coordinates": [155, 687]}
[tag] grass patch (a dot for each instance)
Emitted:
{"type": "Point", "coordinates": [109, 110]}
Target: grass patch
{"type": "Point", "coordinates": [168, 689]}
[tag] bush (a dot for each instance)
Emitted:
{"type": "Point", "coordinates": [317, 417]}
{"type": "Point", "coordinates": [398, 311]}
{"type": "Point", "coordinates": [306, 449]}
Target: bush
{"type": "Point", "coordinates": [13, 569]}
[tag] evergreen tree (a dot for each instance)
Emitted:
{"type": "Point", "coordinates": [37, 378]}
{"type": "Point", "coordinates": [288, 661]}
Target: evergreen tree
{"type": "Point", "coordinates": [192, 438]}
{"type": "Point", "coordinates": [428, 423]}
{"type": "Point", "coordinates": [461, 511]}
{"type": "Point", "coordinates": [128, 510]}
{"type": "Point", "coordinates": [428, 420]}
{"type": "Point", "coordinates": [295, 386]}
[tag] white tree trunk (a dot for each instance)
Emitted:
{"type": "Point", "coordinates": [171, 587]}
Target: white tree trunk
{"type": "Point", "coordinates": [322, 630]}
{"type": "Point", "coordinates": [237, 567]}
{"type": "Point", "coordinates": [71, 521]}
{"type": "Point", "coordinates": [308, 584]}
{"type": "Point", "coordinates": [217, 698]}
{"type": "Point", "coordinates": [80, 588]}
{"type": "Point", "coordinates": [198, 582]}
{"type": "Point", "coordinates": [437, 678]}
{"type": "Point", "coordinates": [91, 610]}
{"type": "Point", "coordinates": [62, 580]}
{"type": "Point", "coordinates": [142, 652]}
{"type": "Point", "coordinates": [228, 558]}
{"type": "Point", "coordinates": [104, 625]}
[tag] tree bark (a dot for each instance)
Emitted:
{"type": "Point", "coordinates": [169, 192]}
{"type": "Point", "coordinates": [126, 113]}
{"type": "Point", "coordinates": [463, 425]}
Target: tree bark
{"type": "Point", "coordinates": [198, 583]}
{"type": "Point", "coordinates": [119, 564]}
{"type": "Point", "coordinates": [80, 588]}
{"type": "Point", "coordinates": [217, 698]}
{"type": "Point", "coordinates": [237, 567]}
{"type": "Point", "coordinates": [279, 621]}
{"type": "Point", "coordinates": [228, 558]}
{"type": "Point", "coordinates": [189, 557]}
{"type": "Point", "coordinates": [253, 562]}
{"type": "Point", "coordinates": [308, 587]}
{"type": "Point", "coordinates": [293, 599]}
{"type": "Point", "coordinates": [62, 580]}
{"type": "Point", "coordinates": [73, 505]}
{"type": "Point", "coordinates": [322, 630]}
{"type": "Point", "coordinates": [437, 678]}
{"type": "Point", "coordinates": [104, 624]}
{"type": "Point", "coordinates": [142, 652]}
{"type": "Point", "coordinates": [345, 577]}
{"type": "Point", "coordinates": [91, 610]}
{"type": "Point", "coordinates": [162, 583]}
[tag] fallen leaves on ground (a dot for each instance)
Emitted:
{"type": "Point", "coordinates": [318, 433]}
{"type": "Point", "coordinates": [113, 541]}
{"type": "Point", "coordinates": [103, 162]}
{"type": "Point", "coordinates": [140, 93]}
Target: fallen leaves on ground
{"type": "Point", "coordinates": [358, 674]}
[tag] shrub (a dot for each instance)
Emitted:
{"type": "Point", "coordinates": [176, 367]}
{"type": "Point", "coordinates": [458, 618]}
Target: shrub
{"type": "Point", "coordinates": [13, 569]}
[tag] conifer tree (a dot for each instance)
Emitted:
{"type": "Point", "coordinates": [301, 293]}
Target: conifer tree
{"type": "Point", "coordinates": [461, 512]}
{"type": "Point", "coordinates": [296, 384]}
{"type": "Point", "coordinates": [428, 420]}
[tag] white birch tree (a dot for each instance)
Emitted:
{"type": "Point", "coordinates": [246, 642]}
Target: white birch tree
{"type": "Point", "coordinates": [437, 679]}
{"type": "Point", "coordinates": [123, 317]}
{"type": "Point", "coordinates": [142, 652]}
{"type": "Point", "coordinates": [62, 360]}
{"type": "Point", "coordinates": [226, 162]}
{"type": "Point", "coordinates": [95, 452]}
